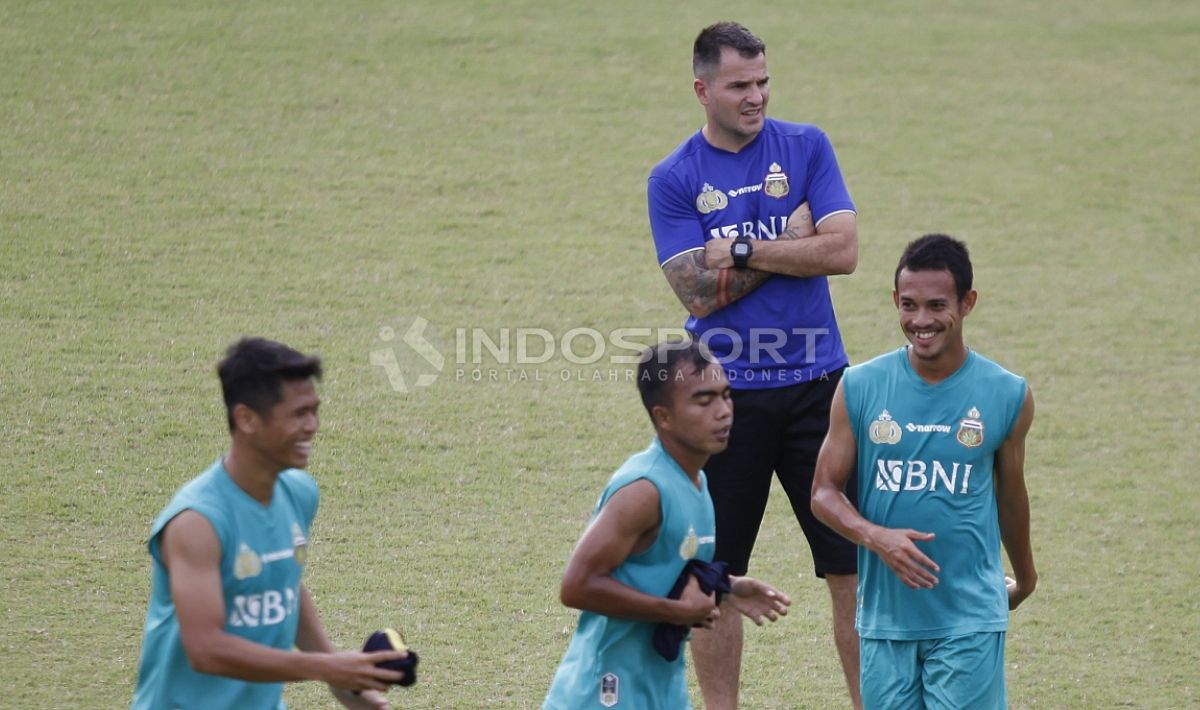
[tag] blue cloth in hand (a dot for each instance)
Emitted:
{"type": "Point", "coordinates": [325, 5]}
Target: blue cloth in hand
{"type": "Point", "coordinates": [713, 577]}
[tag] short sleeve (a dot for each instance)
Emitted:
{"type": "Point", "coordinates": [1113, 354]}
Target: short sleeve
{"type": "Point", "coordinates": [827, 193]}
{"type": "Point", "coordinates": [673, 219]}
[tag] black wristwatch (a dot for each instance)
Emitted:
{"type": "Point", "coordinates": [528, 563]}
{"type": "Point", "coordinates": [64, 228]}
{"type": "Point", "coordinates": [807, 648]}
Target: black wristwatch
{"type": "Point", "coordinates": [741, 249]}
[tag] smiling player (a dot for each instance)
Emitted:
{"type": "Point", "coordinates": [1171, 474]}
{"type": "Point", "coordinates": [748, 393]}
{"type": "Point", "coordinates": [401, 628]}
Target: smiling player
{"type": "Point", "coordinates": [934, 433]}
{"type": "Point", "coordinates": [227, 607]}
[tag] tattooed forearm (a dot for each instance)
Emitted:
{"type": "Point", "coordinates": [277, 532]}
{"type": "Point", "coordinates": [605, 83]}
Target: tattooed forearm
{"type": "Point", "coordinates": [703, 290]}
{"type": "Point", "coordinates": [799, 224]}
{"type": "Point", "coordinates": [742, 282]}
{"type": "Point", "coordinates": [796, 232]}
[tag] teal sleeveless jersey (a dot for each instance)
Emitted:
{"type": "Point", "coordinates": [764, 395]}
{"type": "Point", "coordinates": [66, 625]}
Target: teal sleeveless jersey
{"type": "Point", "coordinates": [925, 455]}
{"type": "Point", "coordinates": [262, 557]}
{"type": "Point", "coordinates": [611, 662]}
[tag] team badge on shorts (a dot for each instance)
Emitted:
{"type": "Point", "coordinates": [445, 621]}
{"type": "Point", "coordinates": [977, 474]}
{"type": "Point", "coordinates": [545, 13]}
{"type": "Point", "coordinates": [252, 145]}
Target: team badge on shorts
{"type": "Point", "coordinates": [885, 430]}
{"type": "Point", "coordinates": [711, 199]}
{"type": "Point", "coordinates": [776, 184]}
{"type": "Point", "coordinates": [970, 430]}
{"type": "Point", "coordinates": [609, 690]}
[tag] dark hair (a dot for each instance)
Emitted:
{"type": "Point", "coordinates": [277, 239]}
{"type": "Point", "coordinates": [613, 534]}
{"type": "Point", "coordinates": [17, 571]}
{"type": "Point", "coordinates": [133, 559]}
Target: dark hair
{"type": "Point", "coordinates": [661, 365]}
{"type": "Point", "coordinates": [706, 51]}
{"type": "Point", "coordinates": [254, 370]}
{"type": "Point", "coordinates": [938, 252]}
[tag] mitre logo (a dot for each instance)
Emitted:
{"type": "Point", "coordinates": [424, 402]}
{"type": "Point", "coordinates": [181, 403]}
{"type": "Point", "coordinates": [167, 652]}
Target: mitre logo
{"type": "Point", "coordinates": [928, 428]}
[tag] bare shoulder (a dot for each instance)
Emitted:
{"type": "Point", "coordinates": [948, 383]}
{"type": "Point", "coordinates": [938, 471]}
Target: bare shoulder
{"type": "Point", "coordinates": [1025, 418]}
{"type": "Point", "coordinates": [636, 498]}
{"type": "Point", "coordinates": [189, 536]}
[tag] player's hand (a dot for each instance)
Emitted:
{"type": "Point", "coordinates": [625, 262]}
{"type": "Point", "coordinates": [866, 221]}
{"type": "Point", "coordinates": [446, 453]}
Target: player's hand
{"type": "Point", "coordinates": [355, 670]}
{"type": "Point", "coordinates": [799, 224]}
{"type": "Point", "coordinates": [1018, 591]}
{"type": "Point", "coordinates": [718, 253]}
{"type": "Point", "coordinates": [757, 600]}
{"type": "Point", "coordinates": [898, 551]}
{"type": "Point", "coordinates": [365, 700]}
{"type": "Point", "coordinates": [695, 608]}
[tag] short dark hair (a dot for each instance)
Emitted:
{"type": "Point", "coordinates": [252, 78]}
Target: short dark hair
{"type": "Point", "coordinates": [938, 252]}
{"type": "Point", "coordinates": [254, 370]}
{"type": "Point", "coordinates": [661, 365]}
{"type": "Point", "coordinates": [706, 51]}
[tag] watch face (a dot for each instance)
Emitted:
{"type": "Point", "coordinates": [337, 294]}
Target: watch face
{"type": "Point", "coordinates": [741, 249]}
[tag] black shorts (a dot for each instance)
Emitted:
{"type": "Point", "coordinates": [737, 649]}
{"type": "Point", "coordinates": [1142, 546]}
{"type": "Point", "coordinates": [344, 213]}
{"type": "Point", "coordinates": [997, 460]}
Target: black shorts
{"type": "Point", "coordinates": [776, 431]}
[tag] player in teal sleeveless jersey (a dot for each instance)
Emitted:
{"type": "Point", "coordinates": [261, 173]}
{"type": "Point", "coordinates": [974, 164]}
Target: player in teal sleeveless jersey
{"type": "Point", "coordinates": [935, 434]}
{"type": "Point", "coordinates": [262, 557]}
{"type": "Point", "coordinates": [619, 649]}
{"type": "Point", "coordinates": [652, 518]}
{"type": "Point", "coordinates": [925, 457]}
{"type": "Point", "coordinates": [227, 604]}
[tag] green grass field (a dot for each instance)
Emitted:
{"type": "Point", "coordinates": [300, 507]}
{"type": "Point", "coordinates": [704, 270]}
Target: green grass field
{"type": "Point", "coordinates": [173, 175]}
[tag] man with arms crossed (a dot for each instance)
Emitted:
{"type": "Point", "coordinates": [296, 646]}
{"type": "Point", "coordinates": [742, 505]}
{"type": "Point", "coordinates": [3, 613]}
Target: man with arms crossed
{"type": "Point", "coordinates": [935, 434]}
{"type": "Point", "coordinates": [653, 517]}
{"type": "Point", "coordinates": [730, 213]}
{"type": "Point", "coordinates": [227, 607]}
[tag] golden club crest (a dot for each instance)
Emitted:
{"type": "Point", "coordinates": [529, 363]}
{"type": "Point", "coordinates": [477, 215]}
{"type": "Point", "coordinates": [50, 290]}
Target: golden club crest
{"type": "Point", "coordinates": [970, 430]}
{"type": "Point", "coordinates": [711, 199]}
{"type": "Point", "coordinates": [300, 544]}
{"type": "Point", "coordinates": [885, 430]}
{"type": "Point", "coordinates": [776, 183]}
{"type": "Point", "coordinates": [247, 563]}
{"type": "Point", "coordinates": [691, 543]}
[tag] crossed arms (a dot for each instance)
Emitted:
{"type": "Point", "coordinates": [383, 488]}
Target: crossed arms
{"type": "Point", "coordinates": [705, 281]}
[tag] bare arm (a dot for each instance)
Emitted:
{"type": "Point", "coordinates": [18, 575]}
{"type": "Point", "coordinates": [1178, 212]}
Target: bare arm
{"type": "Point", "coordinates": [1012, 501]}
{"type": "Point", "coordinates": [192, 556]}
{"type": "Point", "coordinates": [705, 281]}
{"type": "Point", "coordinates": [310, 633]}
{"type": "Point", "coordinates": [831, 250]}
{"type": "Point", "coordinates": [628, 523]}
{"type": "Point", "coordinates": [835, 464]}
{"type": "Point", "coordinates": [703, 289]}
